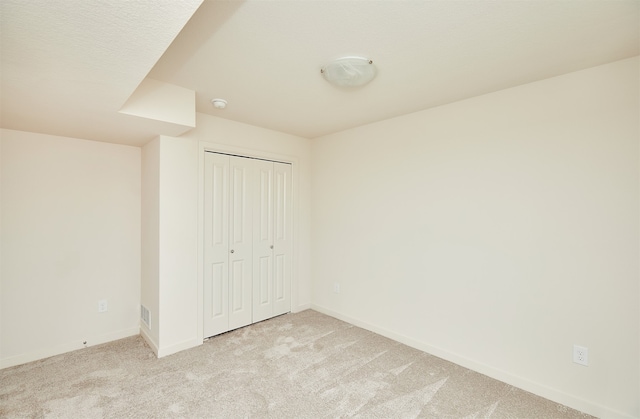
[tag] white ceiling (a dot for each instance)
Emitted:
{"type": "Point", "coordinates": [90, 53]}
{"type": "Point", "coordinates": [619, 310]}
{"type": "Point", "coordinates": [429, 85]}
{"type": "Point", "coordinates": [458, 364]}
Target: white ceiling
{"type": "Point", "coordinates": [68, 65]}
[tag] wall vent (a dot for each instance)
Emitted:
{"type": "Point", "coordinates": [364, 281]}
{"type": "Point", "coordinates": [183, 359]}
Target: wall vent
{"type": "Point", "coordinates": [145, 316]}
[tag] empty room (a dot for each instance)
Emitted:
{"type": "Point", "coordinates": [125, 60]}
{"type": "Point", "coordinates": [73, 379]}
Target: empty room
{"type": "Point", "coordinates": [298, 208]}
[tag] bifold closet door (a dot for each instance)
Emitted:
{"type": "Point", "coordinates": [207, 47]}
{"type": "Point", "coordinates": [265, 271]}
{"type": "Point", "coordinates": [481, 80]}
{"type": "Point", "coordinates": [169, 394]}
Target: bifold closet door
{"type": "Point", "coordinates": [247, 251]}
{"type": "Point", "coordinates": [272, 240]}
{"type": "Point", "coordinates": [228, 243]}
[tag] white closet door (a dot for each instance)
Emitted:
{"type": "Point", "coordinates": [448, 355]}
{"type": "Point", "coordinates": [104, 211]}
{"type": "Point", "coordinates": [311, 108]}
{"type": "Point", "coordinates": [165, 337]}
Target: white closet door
{"type": "Point", "coordinates": [240, 242]}
{"type": "Point", "coordinates": [216, 244]}
{"type": "Point", "coordinates": [247, 252]}
{"type": "Point", "coordinates": [263, 242]}
{"type": "Point", "coordinates": [283, 248]}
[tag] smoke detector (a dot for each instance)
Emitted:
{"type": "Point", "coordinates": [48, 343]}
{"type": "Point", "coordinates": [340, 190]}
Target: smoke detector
{"type": "Point", "coordinates": [219, 103]}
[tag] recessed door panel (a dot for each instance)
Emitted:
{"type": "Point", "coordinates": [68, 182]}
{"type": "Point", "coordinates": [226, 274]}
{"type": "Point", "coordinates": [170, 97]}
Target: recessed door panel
{"type": "Point", "coordinates": [264, 209]}
{"type": "Point", "coordinates": [279, 278]}
{"type": "Point", "coordinates": [239, 204]}
{"type": "Point", "coordinates": [218, 213]}
{"type": "Point", "coordinates": [217, 291]}
{"type": "Point", "coordinates": [265, 280]}
{"type": "Point", "coordinates": [237, 286]}
{"type": "Point", "coordinates": [282, 186]}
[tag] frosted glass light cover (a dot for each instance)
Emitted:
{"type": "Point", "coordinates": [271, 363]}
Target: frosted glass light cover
{"type": "Point", "coordinates": [349, 71]}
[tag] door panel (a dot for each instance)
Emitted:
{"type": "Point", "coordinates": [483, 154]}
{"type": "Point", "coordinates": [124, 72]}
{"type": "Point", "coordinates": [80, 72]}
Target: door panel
{"type": "Point", "coordinates": [241, 246]}
{"type": "Point", "coordinates": [237, 286]}
{"type": "Point", "coordinates": [263, 242]}
{"type": "Point", "coordinates": [218, 281]}
{"type": "Point", "coordinates": [265, 269]}
{"type": "Point", "coordinates": [216, 240]}
{"type": "Point", "coordinates": [279, 285]}
{"type": "Point", "coordinates": [283, 248]}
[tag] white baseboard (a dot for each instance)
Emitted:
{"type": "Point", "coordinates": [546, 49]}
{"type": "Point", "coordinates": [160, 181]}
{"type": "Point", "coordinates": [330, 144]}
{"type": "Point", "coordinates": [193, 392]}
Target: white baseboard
{"type": "Point", "coordinates": [301, 307]}
{"type": "Point", "coordinates": [152, 343]}
{"type": "Point", "coordinates": [67, 347]}
{"type": "Point", "coordinates": [172, 349]}
{"type": "Point", "coordinates": [516, 381]}
{"type": "Point", "coordinates": [180, 346]}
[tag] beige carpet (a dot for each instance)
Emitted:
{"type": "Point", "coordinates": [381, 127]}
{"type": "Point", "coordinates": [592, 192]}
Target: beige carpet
{"type": "Point", "coordinates": [304, 365]}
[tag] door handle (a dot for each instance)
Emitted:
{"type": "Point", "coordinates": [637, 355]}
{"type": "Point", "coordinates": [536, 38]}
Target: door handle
{"type": "Point", "coordinates": [231, 250]}
{"type": "Point", "coordinates": [272, 246]}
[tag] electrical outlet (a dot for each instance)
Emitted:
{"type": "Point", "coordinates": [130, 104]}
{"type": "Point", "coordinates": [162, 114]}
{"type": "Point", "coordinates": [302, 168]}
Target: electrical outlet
{"type": "Point", "coordinates": [581, 355]}
{"type": "Point", "coordinates": [102, 306]}
{"type": "Point", "coordinates": [336, 287]}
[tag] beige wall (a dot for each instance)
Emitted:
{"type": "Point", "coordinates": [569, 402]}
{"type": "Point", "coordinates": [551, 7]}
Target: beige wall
{"type": "Point", "coordinates": [1, 310]}
{"type": "Point", "coordinates": [178, 288]}
{"type": "Point", "coordinates": [70, 237]}
{"type": "Point", "coordinates": [169, 286]}
{"type": "Point", "coordinates": [495, 232]}
{"type": "Point", "coordinates": [150, 261]}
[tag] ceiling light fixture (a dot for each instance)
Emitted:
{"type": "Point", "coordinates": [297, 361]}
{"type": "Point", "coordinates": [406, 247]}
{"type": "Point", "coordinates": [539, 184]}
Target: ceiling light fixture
{"type": "Point", "coordinates": [219, 103]}
{"type": "Point", "coordinates": [349, 71]}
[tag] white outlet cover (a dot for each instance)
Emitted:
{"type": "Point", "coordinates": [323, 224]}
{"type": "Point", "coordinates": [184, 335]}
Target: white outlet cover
{"type": "Point", "coordinates": [102, 306]}
{"type": "Point", "coordinates": [581, 355]}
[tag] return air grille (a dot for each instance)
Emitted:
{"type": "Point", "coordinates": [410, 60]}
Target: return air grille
{"type": "Point", "coordinates": [145, 316]}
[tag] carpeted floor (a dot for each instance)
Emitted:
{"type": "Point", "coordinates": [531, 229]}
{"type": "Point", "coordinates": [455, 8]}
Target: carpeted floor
{"type": "Point", "coordinates": [304, 365]}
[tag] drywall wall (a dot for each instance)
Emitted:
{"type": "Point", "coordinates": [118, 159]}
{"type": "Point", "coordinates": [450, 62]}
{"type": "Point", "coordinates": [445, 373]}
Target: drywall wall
{"type": "Point", "coordinates": [150, 262]}
{"type": "Point", "coordinates": [168, 103]}
{"type": "Point", "coordinates": [495, 232]}
{"type": "Point", "coordinates": [178, 290]}
{"type": "Point", "coordinates": [228, 136]}
{"type": "Point", "coordinates": [169, 255]}
{"type": "Point", "coordinates": [70, 237]}
{"type": "Point", "coordinates": [1, 357]}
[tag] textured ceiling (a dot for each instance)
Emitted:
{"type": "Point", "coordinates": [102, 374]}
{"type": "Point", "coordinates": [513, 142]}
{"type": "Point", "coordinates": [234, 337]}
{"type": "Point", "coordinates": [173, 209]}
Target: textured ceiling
{"type": "Point", "coordinates": [69, 65]}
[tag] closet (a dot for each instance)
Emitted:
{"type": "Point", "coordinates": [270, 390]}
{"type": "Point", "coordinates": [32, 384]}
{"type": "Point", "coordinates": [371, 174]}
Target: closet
{"type": "Point", "coordinates": [247, 249]}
